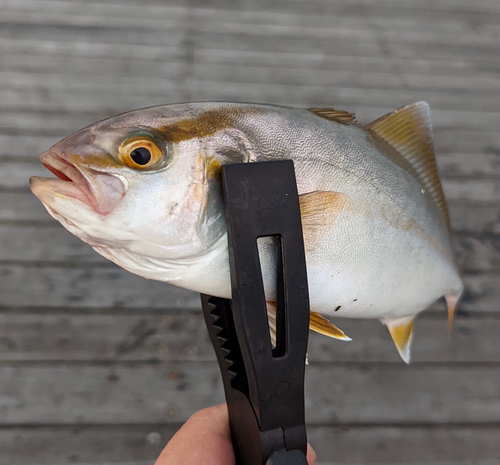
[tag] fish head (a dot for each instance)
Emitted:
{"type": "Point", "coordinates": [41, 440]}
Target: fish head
{"type": "Point", "coordinates": [142, 184]}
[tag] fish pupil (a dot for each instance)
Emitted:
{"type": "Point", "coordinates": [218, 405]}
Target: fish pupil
{"type": "Point", "coordinates": [141, 156]}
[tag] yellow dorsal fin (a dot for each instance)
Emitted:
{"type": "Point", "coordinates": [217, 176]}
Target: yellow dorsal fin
{"type": "Point", "coordinates": [339, 116]}
{"type": "Point", "coordinates": [323, 326]}
{"type": "Point", "coordinates": [409, 131]}
{"type": "Point", "coordinates": [402, 334]}
{"type": "Point", "coordinates": [319, 210]}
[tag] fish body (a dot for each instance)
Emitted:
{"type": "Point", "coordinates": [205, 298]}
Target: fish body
{"type": "Point", "coordinates": [374, 216]}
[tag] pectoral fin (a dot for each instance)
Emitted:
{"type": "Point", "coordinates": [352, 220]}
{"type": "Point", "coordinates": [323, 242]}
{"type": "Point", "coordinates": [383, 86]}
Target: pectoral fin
{"type": "Point", "coordinates": [323, 326]}
{"type": "Point", "coordinates": [319, 210]}
{"type": "Point", "coordinates": [401, 332]}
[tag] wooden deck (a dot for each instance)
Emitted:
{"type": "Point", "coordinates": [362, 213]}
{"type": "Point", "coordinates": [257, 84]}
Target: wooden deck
{"type": "Point", "coordinates": [98, 366]}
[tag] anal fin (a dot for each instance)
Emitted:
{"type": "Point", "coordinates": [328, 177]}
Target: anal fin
{"type": "Point", "coordinates": [401, 332]}
{"type": "Point", "coordinates": [323, 326]}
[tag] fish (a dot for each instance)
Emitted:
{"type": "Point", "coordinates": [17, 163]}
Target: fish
{"type": "Point", "coordinates": [144, 190]}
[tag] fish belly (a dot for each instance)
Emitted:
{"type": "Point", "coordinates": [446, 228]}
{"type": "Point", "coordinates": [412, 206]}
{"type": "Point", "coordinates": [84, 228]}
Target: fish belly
{"type": "Point", "coordinates": [368, 269]}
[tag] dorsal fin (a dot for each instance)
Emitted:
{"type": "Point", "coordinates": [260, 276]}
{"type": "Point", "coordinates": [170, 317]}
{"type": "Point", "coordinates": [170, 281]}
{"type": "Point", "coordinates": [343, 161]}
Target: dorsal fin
{"type": "Point", "coordinates": [409, 131]}
{"type": "Point", "coordinates": [339, 116]}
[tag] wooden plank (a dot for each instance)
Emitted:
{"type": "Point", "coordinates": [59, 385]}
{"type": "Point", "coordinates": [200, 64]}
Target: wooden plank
{"type": "Point", "coordinates": [408, 6]}
{"type": "Point", "coordinates": [482, 293]}
{"type": "Point", "coordinates": [409, 71]}
{"type": "Point", "coordinates": [351, 91]}
{"type": "Point", "coordinates": [88, 287]}
{"type": "Point", "coordinates": [411, 446]}
{"type": "Point", "coordinates": [369, 103]}
{"type": "Point", "coordinates": [115, 336]}
{"type": "Point", "coordinates": [28, 57]}
{"type": "Point", "coordinates": [447, 28]}
{"type": "Point", "coordinates": [21, 206]}
{"type": "Point", "coordinates": [163, 17]}
{"type": "Point", "coordinates": [119, 445]}
{"type": "Point", "coordinates": [280, 11]}
{"type": "Point", "coordinates": [141, 444]}
{"type": "Point", "coordinates": [100, 59]}
{"type": "Point", "coordinates": [471, 217]}
{"type": "Point", "coordinates": [478, 254]}
{"type": "Point", "coordinates": [14, 143]}
{"type": "Point", "coordinates": [17, 175]}
{"type": "Point", "coordinates": [76, 285]}
{"type": "Point", "coordinates": [171, 392]}
{"type": "Point", "coordinates": [481, 190]}
{"type": "Point", "coordinates": [463, 163]}
{"type": "Point", "coordinates": [45, 243]}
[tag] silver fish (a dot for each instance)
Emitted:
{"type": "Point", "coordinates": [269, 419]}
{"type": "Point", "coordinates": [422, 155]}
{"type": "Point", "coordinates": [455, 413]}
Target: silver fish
{"type": "Point", "coordinates": [143, 189]}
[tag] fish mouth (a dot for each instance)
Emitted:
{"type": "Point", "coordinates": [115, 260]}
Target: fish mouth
{"type": "Point", "coordinates": [85, 186]}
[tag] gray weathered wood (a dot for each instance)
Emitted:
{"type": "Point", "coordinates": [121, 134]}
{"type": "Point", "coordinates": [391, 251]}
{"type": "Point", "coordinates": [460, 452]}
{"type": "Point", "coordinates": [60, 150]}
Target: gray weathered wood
{"type": "Point", "coordinates": [369, 104]}
{"type": "Point", "coordinates": [180, 335]}
{"type": "Point", "coordinates": [98, 445]}
{"type": "Point", "coordinates": [353, 445]}
{"type": "Point", "coordinates": [472, 217]}
{"type": "Point", "coordinates": [88, 287]}
{"type": "Point", "coordinates": [85, 343]}
{"type": "Point", "coordinates": [478, 253]}
{"type": "Point", "coordinates": [447, 75]}
{"type": "Point", "coordinates": [171, 392]}
{"type": "Point", "coordinates": [47, 243]}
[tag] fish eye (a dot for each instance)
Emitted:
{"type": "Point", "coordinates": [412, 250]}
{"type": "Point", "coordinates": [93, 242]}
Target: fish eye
{"type": "Point", "coordinates": [140, 153]}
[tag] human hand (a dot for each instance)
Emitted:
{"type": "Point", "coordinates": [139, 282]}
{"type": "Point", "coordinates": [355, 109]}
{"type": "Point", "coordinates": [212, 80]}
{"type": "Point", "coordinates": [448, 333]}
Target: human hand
{"type": "Point", "coordinates": [205, 438]}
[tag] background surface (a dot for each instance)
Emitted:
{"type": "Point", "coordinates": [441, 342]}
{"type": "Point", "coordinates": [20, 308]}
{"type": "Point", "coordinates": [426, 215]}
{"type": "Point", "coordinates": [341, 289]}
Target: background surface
{"type": "Point", "coordinates": [100, 366]}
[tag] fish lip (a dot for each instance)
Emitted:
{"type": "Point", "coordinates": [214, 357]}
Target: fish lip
{"type": "Point", "coordinates": [68, 173]}
{"type": "Point", "coordinates": [82, 188]}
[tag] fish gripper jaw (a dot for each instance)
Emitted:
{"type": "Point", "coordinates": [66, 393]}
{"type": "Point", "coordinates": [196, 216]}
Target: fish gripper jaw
{"type": "Point", "coordinates": [263, 384]}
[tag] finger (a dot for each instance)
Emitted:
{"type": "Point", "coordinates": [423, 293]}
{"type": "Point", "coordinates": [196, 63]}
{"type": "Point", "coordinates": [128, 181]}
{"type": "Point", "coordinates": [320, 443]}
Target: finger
{"type": "Point", "coordinates": [311, 455]}
{"type": "Point", "coordinates": [204, 438]}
